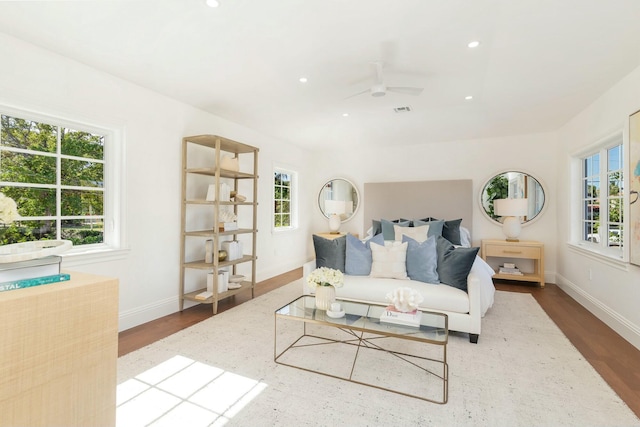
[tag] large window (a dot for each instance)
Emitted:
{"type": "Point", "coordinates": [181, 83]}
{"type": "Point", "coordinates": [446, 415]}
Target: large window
{"type": "Point", "coordinates": [602, 199]}
{"type": "Point", "coordinates": [55, 172]}
{"type": "Point", "coordinates": [283, 199]}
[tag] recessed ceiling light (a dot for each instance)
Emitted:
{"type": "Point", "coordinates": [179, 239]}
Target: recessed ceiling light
{"type": "Point", "coordinates": [303, 79]}
{"type": "Point", "coordinates": [213, 3]}
{"type": "Point", "coordinates": [468, 97]}
{"type": "Point", "coordinates": [345, 114]}
{"type": "Point", "coordinates": [473, 44]}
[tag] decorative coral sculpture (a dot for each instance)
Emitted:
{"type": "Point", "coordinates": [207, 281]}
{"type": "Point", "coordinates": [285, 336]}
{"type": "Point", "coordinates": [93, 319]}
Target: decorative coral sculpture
{"type": "Point", "coordinates": [227, 216]}
{"type": "Point", "coordinates": [405, 299]}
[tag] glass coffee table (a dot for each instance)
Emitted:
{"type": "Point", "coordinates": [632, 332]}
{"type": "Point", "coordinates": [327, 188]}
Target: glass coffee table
{"type": "Point", "coordinates": [359, 348]}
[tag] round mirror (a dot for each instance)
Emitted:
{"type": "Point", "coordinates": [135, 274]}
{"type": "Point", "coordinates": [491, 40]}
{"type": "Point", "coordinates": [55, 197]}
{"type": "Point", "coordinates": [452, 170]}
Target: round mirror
{"type": "Point", "coordinates": [339, 196]}
{"type": "Point", "coordinates": [513, 185]}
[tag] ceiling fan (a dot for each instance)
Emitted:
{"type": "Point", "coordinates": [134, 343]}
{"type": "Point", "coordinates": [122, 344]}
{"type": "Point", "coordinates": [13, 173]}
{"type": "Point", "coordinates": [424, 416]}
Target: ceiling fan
{"type": "Point", "coordinates": [379, 88]}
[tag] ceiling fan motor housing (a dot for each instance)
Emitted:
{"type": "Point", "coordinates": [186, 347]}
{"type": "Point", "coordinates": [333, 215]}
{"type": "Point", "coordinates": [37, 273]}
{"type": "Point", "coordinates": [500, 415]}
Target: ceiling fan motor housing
{"type": "Point", "coordinates": [378, 90]}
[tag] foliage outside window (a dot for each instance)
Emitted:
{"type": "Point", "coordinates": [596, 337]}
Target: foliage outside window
{"type": "Point", "coordinates": [602, 197]}
{"type": "Point", "coordinates": [55, 174]}
{"type": "Point", "coordinates": [283, 190]}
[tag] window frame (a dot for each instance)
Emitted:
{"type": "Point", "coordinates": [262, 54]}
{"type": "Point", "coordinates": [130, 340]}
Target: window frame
{"type": "Point", "coordinates": [601, 248]}
{"type": "Point", "coordinates": [114, 239]}
{"type": "Point", "coordinates": [293, 199]}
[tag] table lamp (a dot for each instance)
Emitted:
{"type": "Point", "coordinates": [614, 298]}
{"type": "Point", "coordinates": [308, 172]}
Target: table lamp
{"type": "Point", "coordinates": [334, 208]}
{"type": "Point", "coordinates": [511, 210]}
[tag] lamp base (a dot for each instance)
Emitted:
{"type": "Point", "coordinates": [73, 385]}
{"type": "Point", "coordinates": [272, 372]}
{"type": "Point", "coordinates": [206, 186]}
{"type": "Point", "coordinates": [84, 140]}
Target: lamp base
{"type": "Point", "coordinates": [511, 228]}
{"type": "Point", "coordinates": [512, 240]}
{"type": "Point", "coordinates": [334, 224]}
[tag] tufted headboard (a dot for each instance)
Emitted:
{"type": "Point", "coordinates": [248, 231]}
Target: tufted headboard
{"type": "Point", "coordinates": [447, 199]}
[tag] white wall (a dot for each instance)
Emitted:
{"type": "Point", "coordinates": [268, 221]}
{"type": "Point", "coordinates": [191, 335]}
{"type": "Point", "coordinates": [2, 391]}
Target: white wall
{"type": "Point", "coordinates": [477, 160]}
{"type": "Point", "coordinates": [35, 79]}
{"type": "Point", "coordinates": [613, 291]}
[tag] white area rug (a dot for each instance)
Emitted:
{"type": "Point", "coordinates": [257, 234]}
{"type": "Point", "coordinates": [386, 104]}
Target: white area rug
{"type": "Point", "coordinates": [523, 372]}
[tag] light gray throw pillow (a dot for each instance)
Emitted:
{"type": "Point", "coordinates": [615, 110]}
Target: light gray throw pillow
{"type": "Point", "coordinates": [422, 260]}
{"type": "Point", "coordinates": [358, 255]}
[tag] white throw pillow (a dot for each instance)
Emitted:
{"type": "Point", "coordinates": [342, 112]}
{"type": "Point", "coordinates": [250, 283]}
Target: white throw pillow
{"type": "Point", "coordinates": [419, 234]}
{"type": "Point", "coordinates": [389, 261]}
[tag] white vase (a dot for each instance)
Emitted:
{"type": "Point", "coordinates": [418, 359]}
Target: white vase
{"type": "Point", "coordinates": [325, 295]}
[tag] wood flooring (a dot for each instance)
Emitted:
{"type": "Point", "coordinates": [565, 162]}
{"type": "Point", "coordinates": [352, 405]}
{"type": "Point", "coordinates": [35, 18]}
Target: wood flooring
{"type": "Point", "coordinates": [615, 359]}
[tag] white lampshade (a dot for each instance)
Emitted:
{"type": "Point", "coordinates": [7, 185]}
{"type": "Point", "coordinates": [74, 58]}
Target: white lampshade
{"type": "Point", "coordinates": [511, 210]}
{"type": "Point", "coordinates": [510, 207]}
{"type": "Point", "coordinates": [334, 207]}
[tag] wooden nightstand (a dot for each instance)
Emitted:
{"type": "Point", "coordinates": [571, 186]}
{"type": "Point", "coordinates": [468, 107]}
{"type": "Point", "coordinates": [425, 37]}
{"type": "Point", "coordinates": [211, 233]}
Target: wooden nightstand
{"type": "Point", "coordinates": [512, 251]}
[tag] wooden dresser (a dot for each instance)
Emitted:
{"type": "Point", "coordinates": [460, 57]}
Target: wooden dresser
{"type": "Point", "coordinates": [58, 353]}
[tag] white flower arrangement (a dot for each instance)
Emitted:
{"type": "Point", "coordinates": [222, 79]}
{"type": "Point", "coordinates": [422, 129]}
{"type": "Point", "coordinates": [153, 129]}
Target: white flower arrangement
{"type": "Point", "coordinates": [8, 210]}
{"type": "Point", "coordinates": [405, 299]}
{"type": "Point", "coordinates": [325, 276]}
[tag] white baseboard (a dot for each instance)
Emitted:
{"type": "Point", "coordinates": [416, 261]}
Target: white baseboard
{"type": "Point", "coordinates": [143, 314]}
{"type": "Point", "coordinates": [611, 318]}
{"type": "Point", "coordinates": [146, 313]}
{"type": "Point", "coordinates": [281, 269]}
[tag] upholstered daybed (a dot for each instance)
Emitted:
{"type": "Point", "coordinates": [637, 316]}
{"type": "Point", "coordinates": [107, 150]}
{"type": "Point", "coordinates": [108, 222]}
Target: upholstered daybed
{"type": "Point", "coordinates": [465, 300]}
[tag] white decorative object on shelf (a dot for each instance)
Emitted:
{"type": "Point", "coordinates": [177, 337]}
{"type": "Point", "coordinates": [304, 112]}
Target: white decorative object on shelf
{"type": "Point", "coordinates": [234, 249]}
{"type": "Point", "coordinates": [211, 193]}
{"type": "Point", "coordinates": [225, 192]}
{"type": "Point", "coordinates": [236, 278]}
{"type": "Point", "coordinates": [210, 282]}
{"type": "Point", "coordinates": [227, 216]}
{"type": "Point", "coordinates": [229, 226]}
{"type": "Point", "coordinates": [32, 250]}
{"type": "Point", "coordinates": [208, 251]}
{"type": "Point", "coordinates": [405, 299]}
{"type": "Point", "coordinates": [238, 197]}
{"type": "Point", "coordinates": [223, 281]}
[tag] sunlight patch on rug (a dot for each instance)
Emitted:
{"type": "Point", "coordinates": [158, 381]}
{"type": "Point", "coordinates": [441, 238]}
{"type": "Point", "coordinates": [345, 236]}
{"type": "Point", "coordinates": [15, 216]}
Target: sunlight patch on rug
{"type": "Point", "coordinates": [181, 391]}
{"type": "Point", "coordinates": [523, 372]}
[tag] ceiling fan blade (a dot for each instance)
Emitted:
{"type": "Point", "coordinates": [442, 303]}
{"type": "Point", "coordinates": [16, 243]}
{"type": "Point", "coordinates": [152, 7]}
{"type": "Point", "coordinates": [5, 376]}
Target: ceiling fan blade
{"type": "Point", "coordinates": [359, 93]}
{"type": "Point", "coordinates": [415, 91]}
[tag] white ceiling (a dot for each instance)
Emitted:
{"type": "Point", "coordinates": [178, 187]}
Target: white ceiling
{"type": "Point", "coordinates": [540, 62]}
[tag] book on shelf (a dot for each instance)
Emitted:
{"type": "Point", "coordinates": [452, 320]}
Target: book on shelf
{"type": "Point", "coordinates": [204, 295]}
{"type": "Point", "coordinates": [510, 270]}
{"type": "Point", "coordinates": [29, 269]}
{"type": "Point", "coordinates": [37, 281]}
{"type": "Point", "coordinates": [392, 315]}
